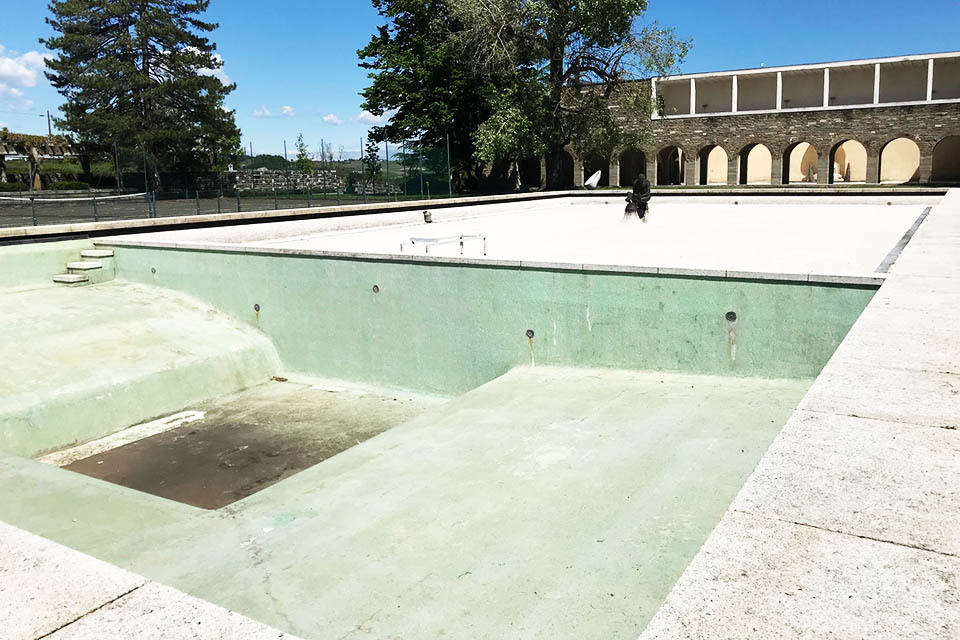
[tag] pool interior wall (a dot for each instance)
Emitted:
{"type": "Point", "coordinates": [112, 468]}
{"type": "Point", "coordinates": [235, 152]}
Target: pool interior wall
{"type": "Point", "coordinates": [448, 328]}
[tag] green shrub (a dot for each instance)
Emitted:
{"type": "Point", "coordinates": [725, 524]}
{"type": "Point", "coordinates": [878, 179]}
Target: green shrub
{"type": "Point", "coordinates": [13, 186]}
{"type": "Point", "coordinates": [69, 185]}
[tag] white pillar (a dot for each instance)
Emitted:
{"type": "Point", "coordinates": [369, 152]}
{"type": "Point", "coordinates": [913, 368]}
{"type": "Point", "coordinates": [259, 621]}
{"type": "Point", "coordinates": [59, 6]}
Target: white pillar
{"type": "Point", "coordinates": [653, 99]}
{"type": "Point", "coordinates": [693, 96]}
{"type": "Point", "coordinates": [826, 87]}
{"type": "Point", "coordinates": [779, 90]}
{"type": "Point", "coordinates": [876, 83]}
{"type": "Point", "coordinates": [733, 100]}
{"type": "Point", "coordinates": [929, 79]}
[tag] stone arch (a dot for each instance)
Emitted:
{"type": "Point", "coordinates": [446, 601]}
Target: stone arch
{"type": "Point", "coordinates": [566, 169]}
{"type": "Point", "coordinates": [756, 164]}
{"type": "Point", "coordinates": [712, 161]}
{"type": "Point", "coordinates": [946, 160]}
{"type": "Point", "coordinates": [670, 161]}
{"type": "Point", "coordinates": [800, 163]}
{"type": "Point", "coordinates": [633, 163]}
{"type": "Point", "coordinates": [597, 163]}
{"type": "Point", "coordinates": [848, 162]}
{"type": "Point", "coordinates": [900, 161]}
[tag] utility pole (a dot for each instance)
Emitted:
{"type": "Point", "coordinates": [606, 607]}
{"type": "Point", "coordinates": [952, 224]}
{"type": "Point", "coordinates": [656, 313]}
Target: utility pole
{"type": "Point", "coordinates": [49, 126]}
{"type": "Point", "coordinates": [387, 145]}
{"type": "Point", "coordinates": [285, 151]}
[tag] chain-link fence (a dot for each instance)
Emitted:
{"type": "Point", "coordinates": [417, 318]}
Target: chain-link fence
{"type": "Point", "coordinates": [132, 187]}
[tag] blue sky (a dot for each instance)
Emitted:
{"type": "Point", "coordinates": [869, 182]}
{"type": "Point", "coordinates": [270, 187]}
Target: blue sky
{"type": "Point", "coordinates": [295, 63]}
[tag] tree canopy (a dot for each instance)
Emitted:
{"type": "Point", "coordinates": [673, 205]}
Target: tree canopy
{"type": "Point", "coordinates": [520, 78]}
{"type": "Point", "coordinates": [418, 78]}
{"type": "Point", "coordinates": [141, 74]}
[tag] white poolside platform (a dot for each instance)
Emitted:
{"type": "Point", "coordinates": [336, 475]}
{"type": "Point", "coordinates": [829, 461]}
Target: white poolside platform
{"type": "Point", "coordinates": [848, 236]}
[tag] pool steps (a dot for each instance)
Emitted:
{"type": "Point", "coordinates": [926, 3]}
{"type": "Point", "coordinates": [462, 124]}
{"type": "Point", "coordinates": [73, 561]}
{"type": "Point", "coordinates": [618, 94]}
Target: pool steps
{"type": "Point", "coordinates": [95, 266]}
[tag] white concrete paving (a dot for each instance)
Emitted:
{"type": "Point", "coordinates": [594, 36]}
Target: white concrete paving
{"type": "Point", "coordinates": [850, 525]}
{"type": "Point", "coordinates": [50, 591]}
{"type": "Point", "coordinates": [831, 237]}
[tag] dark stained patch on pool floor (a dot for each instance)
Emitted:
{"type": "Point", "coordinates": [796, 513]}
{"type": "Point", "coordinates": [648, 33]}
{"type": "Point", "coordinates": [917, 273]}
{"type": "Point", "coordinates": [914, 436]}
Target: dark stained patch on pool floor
{"type": "Point", "coordinates": [250, 440]}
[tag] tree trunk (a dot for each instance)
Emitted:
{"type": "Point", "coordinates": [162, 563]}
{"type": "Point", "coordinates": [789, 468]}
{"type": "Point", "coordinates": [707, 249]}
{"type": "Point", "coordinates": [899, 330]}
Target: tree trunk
{"type": "Point", "coordinates": [554, 177]}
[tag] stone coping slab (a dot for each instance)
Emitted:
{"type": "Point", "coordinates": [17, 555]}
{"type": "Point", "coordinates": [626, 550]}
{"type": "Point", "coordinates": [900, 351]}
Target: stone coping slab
{"type": "Point", "coordinates": [51, 591]}
{"type": "Point", "coordinates": [759, 577]}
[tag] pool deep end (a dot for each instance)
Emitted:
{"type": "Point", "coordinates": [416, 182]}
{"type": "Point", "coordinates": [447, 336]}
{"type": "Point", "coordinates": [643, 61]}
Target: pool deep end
{"type": "Point", "coordinates": [451, 327]}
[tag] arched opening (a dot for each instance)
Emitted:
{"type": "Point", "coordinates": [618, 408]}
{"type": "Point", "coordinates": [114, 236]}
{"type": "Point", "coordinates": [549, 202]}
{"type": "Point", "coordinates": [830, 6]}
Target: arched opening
{"type": "Point", "coordinates": [900, 161]}
{"type": "Point", "coordinates": [756, 164]}
{"type": "Point", "coordinates": [946, 160]}
{"type": "Point", "coordinates": [800, 163]}
{"type": "Point", "coordinates": [712, 161]}
{"type": "Point", "coordinates": [670, 166]}
{"type": "Point", "coordinates": [596, 163]}
{"type": "Point", "coordinates": [530, 172]}
{"type": "Point", "coordinates": [848, 161]}
{"type": "Point", "coordinates": [566, 169]}
{"type": "Point", "coordinates": [633, 164]}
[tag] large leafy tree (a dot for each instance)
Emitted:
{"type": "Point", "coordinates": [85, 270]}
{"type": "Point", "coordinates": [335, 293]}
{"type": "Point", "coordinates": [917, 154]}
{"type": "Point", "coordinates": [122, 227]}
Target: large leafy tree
{"type": "Point", "coordinates": [141, 74]}
{"type": "Point", "coordinates": [418, 77]}
{"type": "Point", "coordinates": [568, 60]}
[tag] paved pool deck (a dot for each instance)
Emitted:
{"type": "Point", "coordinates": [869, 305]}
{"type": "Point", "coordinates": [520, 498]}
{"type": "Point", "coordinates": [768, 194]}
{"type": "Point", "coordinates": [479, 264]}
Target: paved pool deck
{"type": "Point", "coordinates": [811, 239]}
{"type": "Point", "coordinates": [850, 525]}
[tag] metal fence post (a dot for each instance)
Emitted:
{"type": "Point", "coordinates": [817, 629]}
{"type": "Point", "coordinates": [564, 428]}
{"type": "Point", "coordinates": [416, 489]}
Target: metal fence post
{"type": "Point", "coordinates": [33, 209]}
{"type": "Point", "coordinates": [219, 196]}
{"type": "Point", "coordinates": [238, 201]}
{"type": "Point", "coordinates": [197, 194]}
{"type": "Point", "coordinates": [275, 205]}
{"type": "Point", "coordinates": [96, 217]}
{"type": "Point", "coordinates": [309, 187]}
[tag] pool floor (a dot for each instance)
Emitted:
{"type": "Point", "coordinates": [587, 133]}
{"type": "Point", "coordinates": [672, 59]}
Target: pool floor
{"type": "Point", "coordinates": [247, 441]}
{"type": "Point", "coordinates": [548, 503]}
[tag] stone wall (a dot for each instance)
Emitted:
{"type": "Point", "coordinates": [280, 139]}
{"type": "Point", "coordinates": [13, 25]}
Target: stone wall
{"type": "Point", "coordinates": [282, 180]}
{"type": "Point", "coordinates": [874, 127]}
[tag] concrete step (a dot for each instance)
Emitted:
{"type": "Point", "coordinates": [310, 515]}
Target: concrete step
{"type": "Point", "coordinates": [84, 265]}
{"type": "Point", "coordinates": [96, 253]}
{"type": "Point", "coordinates": [71, 278]}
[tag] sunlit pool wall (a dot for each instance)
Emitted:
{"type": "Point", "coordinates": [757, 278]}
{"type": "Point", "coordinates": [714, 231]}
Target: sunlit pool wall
{"type": "Point", "coordinates": [449, 327]}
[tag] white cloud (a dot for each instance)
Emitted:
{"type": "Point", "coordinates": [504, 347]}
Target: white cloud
{"type": "Point", "coordinates": [287, 111]}
{"type": "Point", "coordinates": [262, 112]}
{"type": "Point", "coordinates": [368, 118]}
{"type": "Point", "coordinates": [20, 72]}
{"type": "Point", "coordinates": [217, 73]}
{"type": "Point", "coordinates": [332, 119]}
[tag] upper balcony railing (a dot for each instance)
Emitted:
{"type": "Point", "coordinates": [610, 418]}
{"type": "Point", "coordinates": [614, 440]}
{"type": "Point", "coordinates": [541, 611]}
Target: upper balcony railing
{"type": "Point", "coordinates": [856, 84]}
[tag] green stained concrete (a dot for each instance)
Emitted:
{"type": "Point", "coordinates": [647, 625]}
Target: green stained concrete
{"type": "Point", "coordinates": [91, 360]}
{"type": "Point", "coordinates": [553, 503]}
{"type": "Point", "coordinates": [449, 328]}
{"type": "Point", "coordinates": [25, 266]}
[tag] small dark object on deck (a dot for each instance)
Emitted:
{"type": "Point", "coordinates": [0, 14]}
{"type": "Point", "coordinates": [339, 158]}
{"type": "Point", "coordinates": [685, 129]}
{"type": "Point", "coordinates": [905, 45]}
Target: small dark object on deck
{"type": "Point", "coordinates": [639, 199]}
{"type": "Point", "coordinates": [731, 316]}
{"type": "Point", "coordinates": [530, 333]}
{"type": "Point", "coordinates": [376, 288]}
{"type": "Point", "coordinates": [279, 379]}
{"type": "Point", "coordinates": [427, 217]}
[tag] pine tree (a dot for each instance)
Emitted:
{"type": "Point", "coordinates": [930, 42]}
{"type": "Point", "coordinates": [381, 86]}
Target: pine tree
{"type": "Point", "coordinates": [141, 75]}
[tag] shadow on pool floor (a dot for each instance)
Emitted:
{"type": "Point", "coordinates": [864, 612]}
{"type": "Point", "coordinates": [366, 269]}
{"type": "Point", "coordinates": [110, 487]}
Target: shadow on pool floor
{"type": "Point", "coordinates": [252, 439]}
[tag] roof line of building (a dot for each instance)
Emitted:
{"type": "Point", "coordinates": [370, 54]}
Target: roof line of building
{"type": "Point", "coordinates": [812, 65]}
